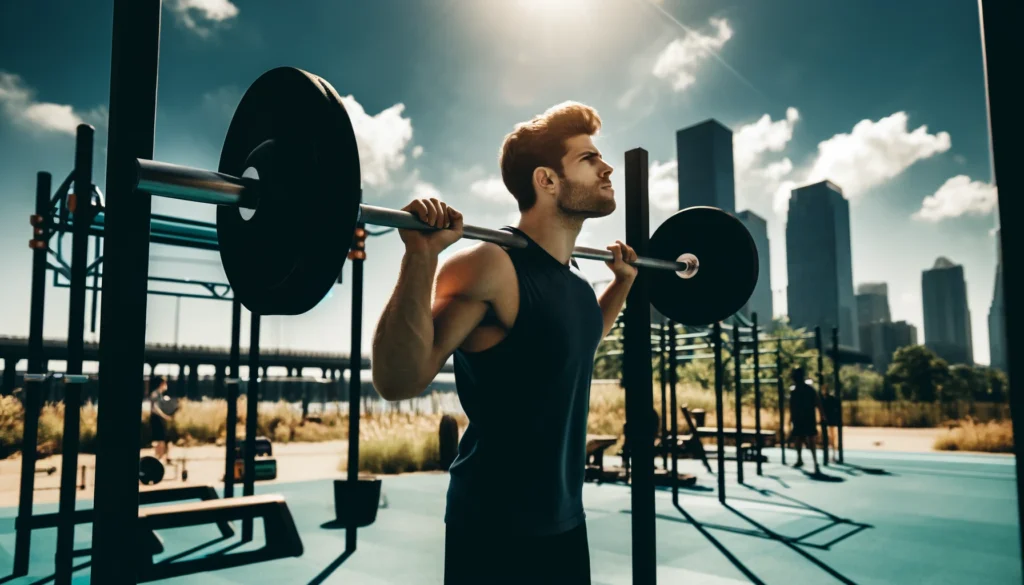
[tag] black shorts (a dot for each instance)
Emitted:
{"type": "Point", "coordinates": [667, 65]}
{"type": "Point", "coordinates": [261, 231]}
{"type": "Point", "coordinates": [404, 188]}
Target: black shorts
{"type": "Point", "coordinates": [803, 429]}
{"type": "Point", "coordinates": [157, 428]}
{"type": "Point", "coordinates": [473, 556]}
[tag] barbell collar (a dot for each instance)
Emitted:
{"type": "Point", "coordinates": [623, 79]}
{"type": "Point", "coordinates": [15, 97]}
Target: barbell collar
{"type": "Point", "coordinates": [203, 186]}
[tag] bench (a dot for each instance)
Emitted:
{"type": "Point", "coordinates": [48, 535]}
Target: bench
{"type": "Point", "coordinates": [146, 497]}
{"type": "Point", "coordinates": [748, 438]}
{"type": "Point", "coordinates": [282, 537]}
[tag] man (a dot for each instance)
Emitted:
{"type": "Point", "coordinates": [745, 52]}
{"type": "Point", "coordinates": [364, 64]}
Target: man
{"type": "Point", "coordinates": [804, 404]}
{"type": "Point", "coordinates": [524, 325]}
{"type": "Point", "coordinates": [158, 419]}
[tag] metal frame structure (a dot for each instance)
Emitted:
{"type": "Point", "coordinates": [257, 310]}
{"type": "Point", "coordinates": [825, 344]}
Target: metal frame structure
{"type": "Point", "coordinates": [66, 212]}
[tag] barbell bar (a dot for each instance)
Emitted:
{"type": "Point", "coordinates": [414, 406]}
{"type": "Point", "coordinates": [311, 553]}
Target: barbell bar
{"type": "Point", "coordinates": [203, 186]}
{"type": "Point", "coordinates": [288, 192]}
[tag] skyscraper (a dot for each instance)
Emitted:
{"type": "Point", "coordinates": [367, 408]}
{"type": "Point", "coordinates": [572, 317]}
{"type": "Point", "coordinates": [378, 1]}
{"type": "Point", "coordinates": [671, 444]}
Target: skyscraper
{"type": "Point", "coordinates": [761, 300]}
{"type": "Point", "coordinates": [997, 317]}
{"type": "Point", "coordinates": [873, 303]}
{"type": "Point", "coordinates": [947, 320]}
{"type": "Point", "coordinates": [704, 154]}
{"type": "Point", "coordinates": [820, 263]}
{"type": "Point", "coordinates": [881, 339]}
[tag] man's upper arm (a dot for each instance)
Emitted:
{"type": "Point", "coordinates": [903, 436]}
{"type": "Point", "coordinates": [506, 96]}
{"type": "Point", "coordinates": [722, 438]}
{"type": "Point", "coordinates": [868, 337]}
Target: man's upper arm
{"type": "Point", "coordinates": [466, 286]}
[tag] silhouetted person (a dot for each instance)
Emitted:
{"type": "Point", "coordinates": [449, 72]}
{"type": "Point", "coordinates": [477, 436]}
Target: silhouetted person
{"type": "Point", "coordinates": [831, 410]}
{"type": "Point", "coordinates": [803, 405]}
{"type": "Point", "coordinates": [158, 419]}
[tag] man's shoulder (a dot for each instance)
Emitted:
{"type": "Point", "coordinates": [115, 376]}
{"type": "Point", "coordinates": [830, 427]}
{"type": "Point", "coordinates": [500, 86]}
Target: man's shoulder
{"type": "Point", "coordinates": [478, 269]}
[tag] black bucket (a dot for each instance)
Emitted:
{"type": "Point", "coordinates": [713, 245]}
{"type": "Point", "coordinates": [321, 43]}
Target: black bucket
{"type": "Point", "coordinates": [355, 503]}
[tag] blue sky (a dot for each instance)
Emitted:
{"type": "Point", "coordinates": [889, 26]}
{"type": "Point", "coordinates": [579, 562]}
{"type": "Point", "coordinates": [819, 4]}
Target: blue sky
{"type": "Point", "coordinates": [885, 99]}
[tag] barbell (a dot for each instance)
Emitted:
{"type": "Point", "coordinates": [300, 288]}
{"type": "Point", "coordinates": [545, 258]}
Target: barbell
{"type": "Point", "coordinates": [288, 191]}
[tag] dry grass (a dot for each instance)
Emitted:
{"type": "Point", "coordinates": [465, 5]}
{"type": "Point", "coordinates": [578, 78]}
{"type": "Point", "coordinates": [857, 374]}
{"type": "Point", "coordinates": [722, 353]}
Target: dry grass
{"type": "Point", "coordinates": [400, 442]}
{"type": "Point", "coordinates": [968, 435]}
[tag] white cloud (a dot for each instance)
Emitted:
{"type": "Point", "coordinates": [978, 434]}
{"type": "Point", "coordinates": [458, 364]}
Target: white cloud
{"type": "Point", "coordinates": [491, 188]}
{"type": "Point", "coordinates": [382, 141]}
{"type": "Point", "coordinates": [759, 180]}
{"type": "Point", "coordinates": [424, 190]}
{"type": "Point", "coordinates": [200, 16]}
{"type": "Point", "coordinates": [750, 142]}
{"type": "Point", "coordinates": [679, 61]}
{"type": "Point", "coordinates": [958, 196]}
{"type": "Point", "coordinates": [873, 153]}
{"type": "Point", "coordinates": [417, 151]}
{"type": "Point", "coordinates": [19, 105]}
{"type": "Point", "coordinates": [663, 185]}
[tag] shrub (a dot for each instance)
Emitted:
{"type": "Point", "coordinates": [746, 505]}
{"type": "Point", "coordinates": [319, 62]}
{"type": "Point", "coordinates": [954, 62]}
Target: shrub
{"type": "Point", "coordinates": [968, 435]}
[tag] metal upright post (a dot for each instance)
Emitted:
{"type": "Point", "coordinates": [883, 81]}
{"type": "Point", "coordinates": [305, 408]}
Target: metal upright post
{"type": "Point", "coordinates": [757, 391]}
{"type": "Point", "coordinates": [252, 400]}
{"type": "Point", "coordinates": [83, 213]}
{"type": "Point", "coordinates": [135, 52]}
{"type": "Point", "coordinates": [32, 400]}
{"type": "Point", "coordinates": [716, 332]}
{"type": "Point", "coordinates": [662, 347]}
{"type": "Point", "coordinates": [737, 358]}
{"type": "Point", "coordinates": [1001, 45]}
{"type": "Point", "coordinates": [636, 375]}
{"type": "Point", "coordinates": [231, 383]}
{"type": "Point", "coordinates": [821, 393]}
{"type": "Point", "coordinates": [355, 378]}
{"type": "Point", "coordinates": [837, 384]}
{"type": "Point", "coordinates": [779, 382]}
{"type": "Point", "coordinates": [671, 334]}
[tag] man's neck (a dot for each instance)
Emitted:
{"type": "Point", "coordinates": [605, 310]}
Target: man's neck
{"type": "Point", "coordinates": [556, 234]}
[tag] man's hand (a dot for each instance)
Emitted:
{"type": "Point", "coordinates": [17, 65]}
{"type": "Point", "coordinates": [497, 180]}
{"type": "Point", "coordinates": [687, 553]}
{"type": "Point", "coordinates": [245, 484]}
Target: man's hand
{"type": "Point", "coordinates": [435, 213]}
{"type": "Point", "coordinates": [620, 267]}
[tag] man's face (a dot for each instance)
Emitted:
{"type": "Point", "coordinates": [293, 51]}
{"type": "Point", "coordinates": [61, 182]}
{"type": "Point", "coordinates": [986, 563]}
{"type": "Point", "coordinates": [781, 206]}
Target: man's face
{"type": "Point", "coordinates": [585, 189]}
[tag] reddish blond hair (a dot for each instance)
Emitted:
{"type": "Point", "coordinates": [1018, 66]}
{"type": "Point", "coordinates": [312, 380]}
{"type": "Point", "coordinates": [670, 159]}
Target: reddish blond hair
{"type": "Point", "coordinates": [540, 142]}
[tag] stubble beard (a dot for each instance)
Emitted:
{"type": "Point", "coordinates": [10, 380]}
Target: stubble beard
{"type": "Point", "coordinates": [577, 202]}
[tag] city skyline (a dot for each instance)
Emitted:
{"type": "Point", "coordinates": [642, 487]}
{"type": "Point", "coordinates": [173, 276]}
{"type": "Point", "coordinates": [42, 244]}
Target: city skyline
{"type": "Point", "coordinates": [884, 100]}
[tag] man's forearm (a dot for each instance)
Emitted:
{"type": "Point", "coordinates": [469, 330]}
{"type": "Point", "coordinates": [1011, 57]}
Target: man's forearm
{"type": "Point", "coordinates": [611, 301]}
{"type": "Point", "coordinates": [404, 336]}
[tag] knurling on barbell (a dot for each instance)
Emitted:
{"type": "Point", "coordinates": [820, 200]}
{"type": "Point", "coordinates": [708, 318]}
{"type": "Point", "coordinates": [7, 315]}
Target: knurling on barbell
{"type": "Point", "coordinates": [289, 193]}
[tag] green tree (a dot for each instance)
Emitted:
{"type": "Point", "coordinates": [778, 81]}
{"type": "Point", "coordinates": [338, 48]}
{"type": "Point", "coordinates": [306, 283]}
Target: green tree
{"type": "Point", "coordinates": [858, 382]}
{"type": "Point", "coordinates": [917, 374]}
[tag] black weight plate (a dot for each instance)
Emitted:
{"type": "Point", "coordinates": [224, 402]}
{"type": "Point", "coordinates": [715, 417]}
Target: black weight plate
{"type": "Point", "coordinates": [151, 471]}
{"type": "Point", "coordinates": [287, 256]}
{"type": "Point", "coordinates": [728, 268]}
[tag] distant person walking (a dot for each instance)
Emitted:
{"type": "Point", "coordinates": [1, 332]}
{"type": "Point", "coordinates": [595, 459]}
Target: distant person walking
{"type": "Point", "coordinates": [804, 404]}
{"type": "Point", "coordinates": [158, 419]}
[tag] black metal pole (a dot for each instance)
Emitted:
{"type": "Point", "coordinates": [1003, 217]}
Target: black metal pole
{"type": "Point", "coordinates": [252, 400]}
{"type": "Point", "coordinates": [716, 332]}
{"type": "Point", "coordinates": [32, 400]}
{"type": "Point", "coordinates": [83, 212]}
{"type": "Point", "coordinates": [779, 382]}
{"type": "Point", "coordinates": [663, 339]}
{"type": "Point", "coordinates": [1001, 43]}
{"type": "Point", "coordinates": [355, 381]}
{"type": "Point", "coordinates": [821, 393]}
{"type": "Point", "coordinates": [636, 375]}
{"type": "Point", "coordinates": [757, 391]}
{"type": "Point", "coordinates": [671, 334]}
{"type": "Point", "coordinates": [837, 384]}
{"type": "Point", "coordinates": [135, 52]}
{"type": "Point", "coordinates": [97, 243]}
{"type": "Point", "coordinates": [737, 358]}
{"type": "Point", "coordinates": [231, 386]}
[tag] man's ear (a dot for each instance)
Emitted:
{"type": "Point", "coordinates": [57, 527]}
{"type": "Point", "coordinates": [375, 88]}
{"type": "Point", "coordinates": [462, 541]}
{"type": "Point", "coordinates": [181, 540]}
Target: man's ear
{"type": "Point", "coordinates": [545, 179]}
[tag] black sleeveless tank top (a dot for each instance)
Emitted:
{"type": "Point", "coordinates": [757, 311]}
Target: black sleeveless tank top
{"type": "Point", "coordinates": [521, 461]}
